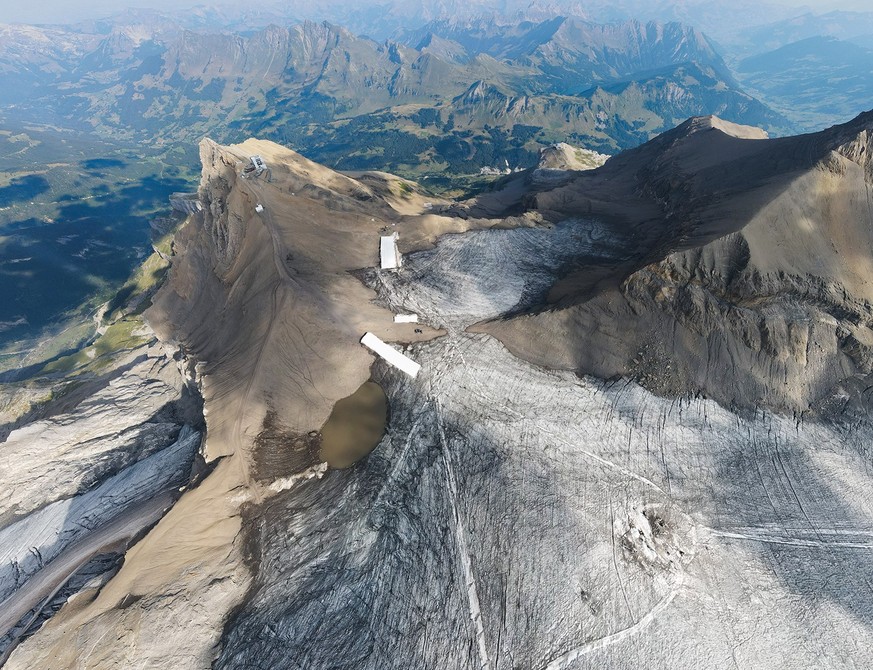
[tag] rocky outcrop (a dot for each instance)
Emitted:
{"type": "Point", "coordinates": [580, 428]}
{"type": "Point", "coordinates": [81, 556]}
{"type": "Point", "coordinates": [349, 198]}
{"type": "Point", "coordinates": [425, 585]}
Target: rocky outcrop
{"type": "Point", "coordinates": [92, 475]}
{"type": "Point", "coordinates": [562, 156]}
{"type": "Point", "coordinates": [186, 203]}
{"type": "Point", "coordinates": [138, 411]}
{"type": "Point", "coordinates": [557, 163]}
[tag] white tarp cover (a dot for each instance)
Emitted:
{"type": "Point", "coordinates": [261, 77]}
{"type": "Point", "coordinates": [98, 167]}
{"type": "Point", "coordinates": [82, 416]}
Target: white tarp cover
{"type": "Point", "coordinates": [390, 354]}
{"type": "Point", "coordinates": [406, 318]}
{"type": "Point", "coordinates": [388, 251]}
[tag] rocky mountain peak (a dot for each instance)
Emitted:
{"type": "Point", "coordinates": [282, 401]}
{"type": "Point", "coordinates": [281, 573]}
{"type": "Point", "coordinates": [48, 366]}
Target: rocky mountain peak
{"type": "Point", "coordinates": [712, 122]}
{"type": "Point", "coordinates": [323, 32]}
{"type": "Point", "coordinates": [854, 141]}
{"type": "Point", "coordinates": [562, 156]}
{"type": "Point", "coordinates": [476, 93]}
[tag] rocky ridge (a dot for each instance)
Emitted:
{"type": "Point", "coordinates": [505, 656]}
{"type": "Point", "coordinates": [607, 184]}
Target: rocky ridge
{"type": "Point", "coordinates": [742, 265]}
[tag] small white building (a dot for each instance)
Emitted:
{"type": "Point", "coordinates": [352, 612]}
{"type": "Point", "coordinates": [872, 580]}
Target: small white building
{"type": "Point", "coordinates": [258, 164]}
{"type": "Point", "coordinates": [259, 208]}
{"type": "Point", "coordinates": [390, 354]}
{"type": "Point", "coordinates": [406, 318]}
{"type": "Point", "coordinates": [388, 252]}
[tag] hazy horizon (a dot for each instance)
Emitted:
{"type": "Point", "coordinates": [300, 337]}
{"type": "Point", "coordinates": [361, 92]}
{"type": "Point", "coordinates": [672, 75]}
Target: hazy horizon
{"type": "Point", "coordinates": [65, 11]}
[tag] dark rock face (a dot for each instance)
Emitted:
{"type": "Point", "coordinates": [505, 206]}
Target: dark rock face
{"type": "Point", "coordinates": [746, 276]}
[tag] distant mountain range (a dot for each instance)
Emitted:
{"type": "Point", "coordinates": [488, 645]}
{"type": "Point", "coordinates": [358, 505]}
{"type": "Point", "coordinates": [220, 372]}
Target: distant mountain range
{"type": "Point", "coordinates": [814, 79]}
{"type": "Point", "coordinates": [448, 95]}
{"type": "Point", "coordinates": [848, 26]}
{"type": "Point", "coordinates": [382, 19]}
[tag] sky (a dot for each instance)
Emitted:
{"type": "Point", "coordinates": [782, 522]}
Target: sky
{"type": "Point", "coordinates": [61, 11]}
{"type": "Point", "coordinates": [57, 11]}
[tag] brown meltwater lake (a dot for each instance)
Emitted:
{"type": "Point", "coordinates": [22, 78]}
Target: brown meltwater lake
{"type": "Point", "coordinates": [355, 426]}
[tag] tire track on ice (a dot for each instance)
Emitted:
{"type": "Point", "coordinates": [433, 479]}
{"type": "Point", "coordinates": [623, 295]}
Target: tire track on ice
{"type": "Point", "coordinates": [564, 661]}
{"type": "Point", "coordinates": [463, 549]}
